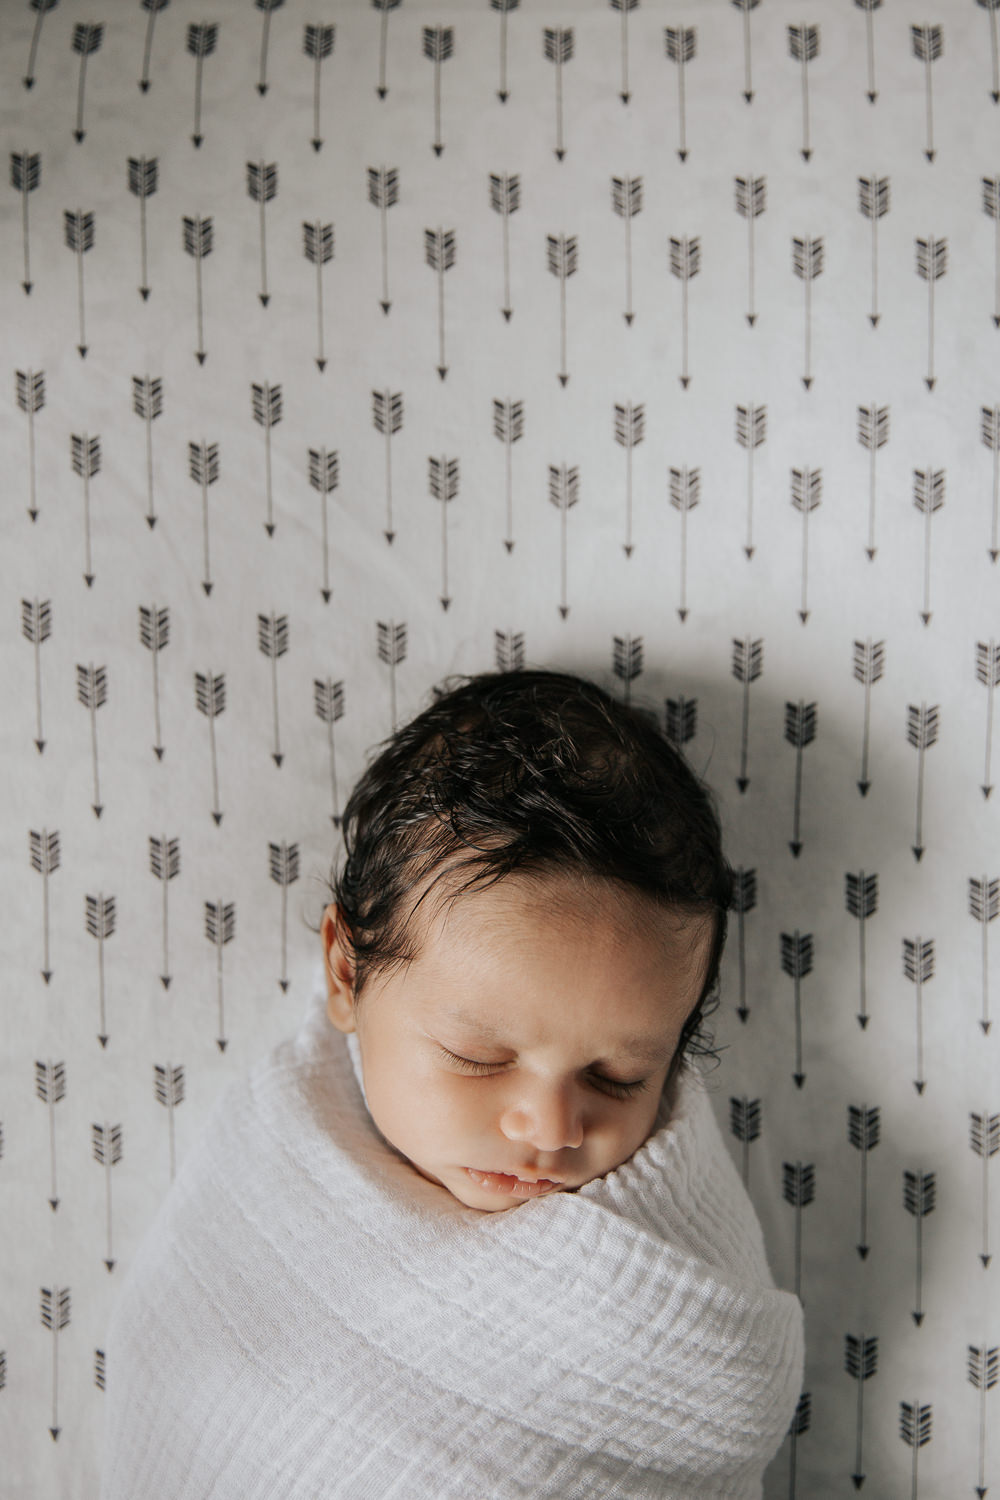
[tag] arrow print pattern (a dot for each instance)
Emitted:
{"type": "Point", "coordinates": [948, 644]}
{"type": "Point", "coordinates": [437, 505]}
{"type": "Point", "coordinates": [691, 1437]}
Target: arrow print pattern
{"type": "Point", "coordinates": [330, 210]}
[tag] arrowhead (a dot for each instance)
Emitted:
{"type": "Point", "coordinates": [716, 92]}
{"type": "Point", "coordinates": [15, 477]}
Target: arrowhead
{"type": "Point", "coordinates": [985, 1260]}
{"type": "Point", "coordinates": [743, 1011]}
{"type": "Point", "coordinates": [98, 808]}
{"type": "Point", "coordinates": [751, 318]}
{"type": "Point", "coordinates": [749, 552]}
{"type": "Point", "coordinates": [920, 1084]}
{"type": "Point", "coordinates": [53, 1204]}
{"type": "Point", "coordinates": [277, 757]}
{"type": "Point", "coordinates": [627, 548]}
{"type": "Point", "coordinates": [986, 1027]}
{"type": "Point", "coordinates": [996, 320]}
{"type": "Point", "coordinates": [150, 522]}
{"type": "Point", "coordinates": [806, 155]}
{"type": "Point", "coordinates": [873, 95]}
{"type": "Point", "coordinates": [981, 1490]}
{"type": "Point", "coordinates": [284, 985]}
{"type": "Point", "coordinates": [929, 382]}
{"type": "Point", "coordinates": [871, 553]}
{"type": "Point", "coordinates": [563, 381]}
{"type": "Point", "coordinates": [47, 974]}
{"type": "Point", "coordinates": [110, 1264]}
{"type": "Point", "coordinates": [803, 615]}
{"type": "Point", "coordinates": [918, 852]}
{"type": "Point", "coordinates": [78, 135]}
{"type": "Point", "coordinates": [165, 980]}
{"type": "Point", "coordinates": [800, 1079]}
{"type": "Point", "coordinates": [628, 318]}
{"type": "Point", "coordinates": [28, 82]}
{"type": "Point", "coordinates": [925, 615]}
{"type": "Point", "coordinates": [503, 95]}
{"type": "Point", "coordinates": [265, 298]}
{"type": "Point", "coordinates": [929, 155]}
{"type": "Point", "coordinates": [322, 364]}
{"type": "Point", "coordinates": [442, 370]}
{"type": "Point", "coordinates": [438, 148]}
{"type": "Point", "coordinates": [918, 1318]}
{"type": "Point", "coordinates": [994, 553]}
{"type": "Point", "coordinates": [103, 1039]}
{"type": "Point", "coordinates": [218, 818]}
{"type": "Point", "coordinates": [564, 610]}
{"type": "Point", "coordinates": [222, 1043]}
{"type": "Point", "coordinates": [90, 579]}
{"type": "Point", "coordinates": [262, 89]}
{"type": "Point", "coordinates": [984, 789]}
{"type": "Point", "coordinates": [683, 155]}
{"type": "Point", "coordinates": [625, 98]}
{"type": "Point", "coordinates": [796, 848]}
{"type": "Point", "coordinates": [508, 313]}
{"type": "Point", "coordinates": [197, 139]}
{"type": "Point", "coordinates": [807, 381]}
{"type": "Point", "coordinates": [873, 319]}
{"type": "Point", "coordinates": [748, 95]}
{"type": "Point", "coordinates": [445, 601]}
{"type": "Point", "coordinates": [509, 544]}
{"type": "Point", "coordinates": [385, 306]}
{"type": "Point", "coordinates": [381, 92]}
{"type": "Point", "coordinates": [144, 85]}
{"type": "Point", "coordinates": [206, 586]}
{"type": "Point", "coordinates": [335, 819]}
{"type": "Point", "coordinates": [159, 751]}
{"type": "Point", "coordinates": [858, 1480]}
{"type": "Point", "coordinates": [55, 1431]}
{"type": "Point", "coordinates": [863, 1022]}
{"type": "Point", "coordinates": [316, 144]}
{"type": "Point", "coordinates": [863, 1251]}
{"type": "Point", "coordinates": [389, 536]}
{"type": "Point", "coordinates": [202, 355]}
{"type": "Point", "coordinates": [27, 287]}
{"type": "Point", "coordinates": [743, 782]}
{"type": "Point", "coordinates": [560, 154]}
{"type": "Point", "coordinates": [863, 787]}
{"type": "Point", "coordinates": [995, 96]}
{"type": "Point", "coordinates": [34, 516]}
{"type": "Point", "coordinates": [269, 527]}
{"type": "Point", "coordinates": [82, 350]}
{"type": "Point", "coordinates": [326, 595]}
{"type": "Point", "coordinates": [683, 615]}
{"type": "Point", "coordinates": [39, 746]}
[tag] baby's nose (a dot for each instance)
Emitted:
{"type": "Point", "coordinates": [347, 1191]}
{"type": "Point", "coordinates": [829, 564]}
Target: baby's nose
{"type": "Point", "coordinates": [546, 1117]}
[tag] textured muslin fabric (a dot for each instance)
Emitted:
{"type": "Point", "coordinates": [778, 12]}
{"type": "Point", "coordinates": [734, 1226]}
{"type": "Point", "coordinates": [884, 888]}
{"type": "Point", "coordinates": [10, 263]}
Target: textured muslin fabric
{"type": "Point", "coordinates": [308, 1317]}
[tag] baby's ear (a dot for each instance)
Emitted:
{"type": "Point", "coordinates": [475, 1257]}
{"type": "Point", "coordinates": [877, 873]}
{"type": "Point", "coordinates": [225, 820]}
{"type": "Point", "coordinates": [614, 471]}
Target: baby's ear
{"type": "Point", "coordinates": [339, 973]}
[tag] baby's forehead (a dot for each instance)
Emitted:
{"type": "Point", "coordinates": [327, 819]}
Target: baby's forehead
{"type": "Point", "coordinates": [551, 900]}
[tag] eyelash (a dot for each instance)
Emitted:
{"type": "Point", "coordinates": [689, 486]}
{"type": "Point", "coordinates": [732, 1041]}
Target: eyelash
{"type": "Point", "coordinates": [611, 1086]}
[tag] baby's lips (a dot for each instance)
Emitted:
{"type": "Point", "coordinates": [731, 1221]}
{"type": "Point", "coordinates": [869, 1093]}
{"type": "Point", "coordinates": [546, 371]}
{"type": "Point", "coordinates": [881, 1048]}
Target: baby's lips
{"type": "Point", "coordinates": [505, 1182]}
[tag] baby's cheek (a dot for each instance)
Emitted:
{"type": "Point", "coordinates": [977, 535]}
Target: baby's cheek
{"type": "Point", "coordinates": [637, 1130]}
{"type": "Point", "coordinates": [442, 1109]}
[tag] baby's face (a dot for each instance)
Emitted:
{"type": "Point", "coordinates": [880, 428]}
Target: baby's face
{"type": "Point", "coordinates": [525, 1049]}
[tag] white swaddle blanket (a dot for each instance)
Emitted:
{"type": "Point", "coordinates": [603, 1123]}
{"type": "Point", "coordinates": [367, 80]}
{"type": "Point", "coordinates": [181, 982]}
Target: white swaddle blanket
{"type": "Point", "coordinates": [309, 1317]}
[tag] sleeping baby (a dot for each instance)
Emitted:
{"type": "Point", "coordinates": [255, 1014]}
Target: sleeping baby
{"type": "Point", "coordinates": [480, 1236]}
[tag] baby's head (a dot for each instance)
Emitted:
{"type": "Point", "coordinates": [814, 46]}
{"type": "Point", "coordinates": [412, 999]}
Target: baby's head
{"type": "Point", "coordinates": [524, 933]}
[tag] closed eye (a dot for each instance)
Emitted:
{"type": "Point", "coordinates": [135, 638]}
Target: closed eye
{"type": "Point", "coordinates": [613, 1086]}
{"type": "Point", "coordinates": [467, 1062]}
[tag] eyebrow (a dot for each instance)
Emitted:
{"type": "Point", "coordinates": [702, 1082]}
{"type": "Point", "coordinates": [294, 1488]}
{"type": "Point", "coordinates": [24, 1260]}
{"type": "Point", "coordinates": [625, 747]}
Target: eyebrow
{"type": "Point", "coordinates": [643, 1048]}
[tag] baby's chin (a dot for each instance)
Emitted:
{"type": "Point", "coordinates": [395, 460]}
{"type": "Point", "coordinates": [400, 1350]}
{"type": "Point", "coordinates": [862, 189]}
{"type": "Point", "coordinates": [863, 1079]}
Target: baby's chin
{"type": "Point", "coordinates": [490, 1208]}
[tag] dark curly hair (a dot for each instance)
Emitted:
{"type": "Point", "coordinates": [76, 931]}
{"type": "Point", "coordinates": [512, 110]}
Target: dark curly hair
{"type": "Point", "coordinates": [527, 772]}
